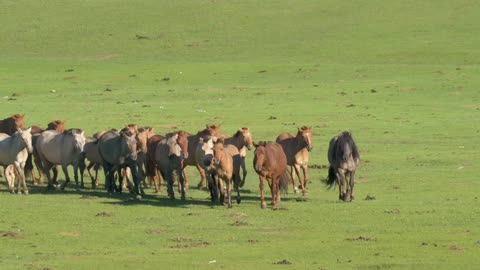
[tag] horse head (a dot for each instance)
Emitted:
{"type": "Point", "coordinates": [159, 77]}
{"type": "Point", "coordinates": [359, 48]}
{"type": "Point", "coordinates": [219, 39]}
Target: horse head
{"type": "Point", "coordinates": [26, 136]}
{"type": "Point", "coordinates": [259, 156]}
{"type": "Point", "coordinates": [218, 148]}
{"type": "Point", "coordinates": [57, 125]}
{"type": "Point", "coordinates": [247, 137]}
{"type": "Point", "coordinates": [129, 143]}
{"type": "Point", "coordinates": [142, 138]}
{"type": "Point", "coordinates": [19, 120]}
{"type": "Point", "coordinates": [213, 130]}
{"type": "Point", "coordinates": [207, 148]}
{"type": "Point", "coordinates": [304, 135]}
{"type": "Point", "coordinates": [182, 142]}
{"type": "Point", "coordinates": [79, 139]}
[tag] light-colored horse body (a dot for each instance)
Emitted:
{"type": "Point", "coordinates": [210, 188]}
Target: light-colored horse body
{"type": "Point", "coordinates": [297, 150]}
{"type": "Point", "coordinates": [169, 158]}
{"type": "Point", "coordinates": [118, 150]}
{"type": "Point", "coordinates": [242, 139]}
{"type": "Point", "coordinates": [14, 152]}
{"type": "Point", "coordinates": [55, 148]}
{"type": "Point", "coordinates": [227, 162]}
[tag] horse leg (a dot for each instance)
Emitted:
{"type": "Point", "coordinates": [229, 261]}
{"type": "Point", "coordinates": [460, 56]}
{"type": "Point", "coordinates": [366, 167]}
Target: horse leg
{"type": "Point", "coordinates": [47, 166]}
{"type": "Point", "coordinates": [89, 167]}
{"type": "Point", "coordinates": [136, 183]}
{"type": "Point", "coordinates": [292, 176]}
{"type": "Point", "coordinates": [55, 174]}
{"type": "Point", "coordinates": [203, 178]}
{"type": "Point", "coordinates": [305, 175]}
{"type": "Point", "coordinates": [76, 167]}
{"type": "Point", "coordinates": [40, 170]}
{"type": "Point", "coordinates": [297, 172]}
{"type": "Point", "coordinates": [263, 204]}
{"type": "Point", "coordinates": [350, 183]}
{"type": "Point", "coordinates": [273, 189]}
{"type": "Point", "coordinates": [342, 183]}
{"type": "Point", "coordinates": [244, 170]}
{"type": "Point", "coordinates": [181, 182]}
{"type": "Point", "coordinates": [67, 177]}
{"type": "Point", "coordinates": [229, 193]}
{"type": "Point", "coordinates": [236, 186]}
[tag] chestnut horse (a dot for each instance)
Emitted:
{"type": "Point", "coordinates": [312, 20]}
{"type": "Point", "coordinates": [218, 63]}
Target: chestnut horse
{"type": "Point", "coordinates": [296, 150]}
{"type": "Point", "coordinates": [11, 124]}
{"type": "Point", "coordinates": [270, 163]}
{"type": "Point", "coordinates": [344, 159]}
{"type": "Point", "coordinates": [193, 140]}
{"type": "Point", "coordinates": [241, 139]}
{"type": "Point", "coordinates": [227, 161]}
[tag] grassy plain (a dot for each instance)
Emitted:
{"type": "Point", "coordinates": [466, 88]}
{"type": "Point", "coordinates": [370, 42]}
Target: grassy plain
{"type": "Point", "coordinates": [401, 75]}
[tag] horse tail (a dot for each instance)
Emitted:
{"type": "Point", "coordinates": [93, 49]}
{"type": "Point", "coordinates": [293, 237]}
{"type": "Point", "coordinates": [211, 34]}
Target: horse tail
{"type": "Point", "coordinates": [284, 181]}
{"type": "Point", "coordinates": [330, 180]}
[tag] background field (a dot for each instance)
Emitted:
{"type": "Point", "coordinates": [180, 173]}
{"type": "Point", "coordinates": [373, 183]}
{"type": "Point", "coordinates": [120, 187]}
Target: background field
{"type": "Point", "coordinates": [401, 75]}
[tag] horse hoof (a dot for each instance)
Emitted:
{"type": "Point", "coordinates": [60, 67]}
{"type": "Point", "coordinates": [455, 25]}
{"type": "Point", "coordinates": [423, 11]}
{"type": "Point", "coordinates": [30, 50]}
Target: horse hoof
{"type": "Point", "coordinates": [19, 192]}
{"type": "Point", "coordinates": [295, 190]}
{"type": "Point", "coordinates": [242, 183]}
{"type": "Point", "coordinates": [274, 207]}
{"type": "Point", "coordinates": [138, 197]}
{"type": "Point", "coordinates": [25, 192]}
{"type": "Point", "coordinates": [239, 201]}
{"type": "Point", "coordinates": [263, 205]}
{"type": "Point", "coordinates": [229, 206]}
{"type": "Point", "coordinates": [51, 187]}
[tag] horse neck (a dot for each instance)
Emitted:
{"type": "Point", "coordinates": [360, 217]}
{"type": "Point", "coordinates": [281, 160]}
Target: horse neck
{"type": "Point", "coordinates": [299, 142]}
{"type": "Point", "coordinates": [237, 141]}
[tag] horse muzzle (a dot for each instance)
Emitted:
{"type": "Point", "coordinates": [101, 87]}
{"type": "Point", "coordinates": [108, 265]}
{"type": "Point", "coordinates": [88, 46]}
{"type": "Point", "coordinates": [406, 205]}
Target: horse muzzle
{"type": "Point", "coordinates": [309, 148]}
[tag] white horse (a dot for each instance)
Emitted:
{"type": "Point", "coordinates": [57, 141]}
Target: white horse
{"type": "Point", "coordinates": [14, 152]}
{"type": "Point", "coordinates": [55, 148]}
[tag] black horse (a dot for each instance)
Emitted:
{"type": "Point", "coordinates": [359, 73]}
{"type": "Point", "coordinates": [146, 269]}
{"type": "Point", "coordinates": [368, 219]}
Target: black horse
{"type": "Point", "coordinates": [344, 159]}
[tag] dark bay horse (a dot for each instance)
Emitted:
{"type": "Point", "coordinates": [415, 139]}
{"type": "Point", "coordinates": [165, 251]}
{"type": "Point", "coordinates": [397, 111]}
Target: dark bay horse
{"type": "Point", "coordinates": [241, 139]}
{"type": "Point", "coordinates": [344, 159]}
{"type": "Point", "coordinates": [296, 149]}
{"type": "Point", "coordinates": [270, 163]}
{"type": "Point", "coordinates": [210, 130]}
{"type": "Point", "coordinates": [11, 124]}
{"type": "Point", "coordinates": [151, 169]}
{"type": "Point", "coordinates": [170, 154]}
{"type": "Point", "coordinates": [118, 150]}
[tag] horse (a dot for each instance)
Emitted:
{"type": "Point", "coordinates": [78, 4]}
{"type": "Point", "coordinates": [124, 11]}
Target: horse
{"type": "Point", "coordinates": [11, 124]}
{"type": "Point", "coordinates": [14, 151]}
{"type": "Point", "coordinates": [203, 157]}
{"type": "Point", "coordinates": [241, 139]}
{"type": "Point", "coordinates": [55, 148]}
{"type": "Point", "coordinates": [151, 169]}
{"type": "Point", "coordinates": [57, 125]}
{"type": "Point", "coordinates": [118, 150]}
{"type": "Point", "coordinates": [170, 154]}
{"type": "Point", "coordinates": [296, 150]}
{"type": "Point", "coordinates": [227, 161]}
{"type": "Point", "coordinates": [270, 163]}
{"type": "Point", "coordinates": [344, 159]}
{"type": "Point", "coordinates": [210, 130]}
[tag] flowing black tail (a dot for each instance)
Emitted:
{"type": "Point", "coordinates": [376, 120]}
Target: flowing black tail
{"type": "Point", "coordinates": [284, 181]}
{"type": "Point", "coordinates": [331, 178]}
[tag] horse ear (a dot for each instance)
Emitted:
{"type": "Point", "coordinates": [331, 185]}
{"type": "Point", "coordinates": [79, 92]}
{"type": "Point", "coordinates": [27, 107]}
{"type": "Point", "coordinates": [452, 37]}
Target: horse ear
{"type": "Point", "coordinates": [82, 133]}
{"type": "Point", "coordinates": [200, 140]}
{"type": "Point", "coordinates": [29, 130]}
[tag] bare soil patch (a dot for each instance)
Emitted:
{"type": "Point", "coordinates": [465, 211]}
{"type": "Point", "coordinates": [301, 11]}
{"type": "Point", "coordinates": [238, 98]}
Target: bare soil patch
{"type": "Point", "coordinates": [11, 234]}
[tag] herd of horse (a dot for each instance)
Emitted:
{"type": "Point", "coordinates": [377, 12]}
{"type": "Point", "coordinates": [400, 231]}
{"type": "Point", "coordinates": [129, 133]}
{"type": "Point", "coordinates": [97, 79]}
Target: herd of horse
{"type": "Point", "coordinates": [134, 154]}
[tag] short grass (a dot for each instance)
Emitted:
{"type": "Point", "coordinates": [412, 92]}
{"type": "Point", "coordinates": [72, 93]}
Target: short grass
{"type": "Point", "coordinates": [401, 75]}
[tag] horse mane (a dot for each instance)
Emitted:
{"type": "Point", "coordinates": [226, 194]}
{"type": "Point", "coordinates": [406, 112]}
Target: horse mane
{"type": "Point", "coordinates": [17, 116]}
{"type": "Point", "coordinates": [71, 130]}
{"type": "Point", "coordinates": [345, 140]}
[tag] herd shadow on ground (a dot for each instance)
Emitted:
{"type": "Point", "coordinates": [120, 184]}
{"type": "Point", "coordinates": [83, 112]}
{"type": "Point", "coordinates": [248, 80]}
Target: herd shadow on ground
{"type": "Point", "coordinates": [152, 199]}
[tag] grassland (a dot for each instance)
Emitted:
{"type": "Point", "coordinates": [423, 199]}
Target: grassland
{"type": "Point", "coordinates": [401, 75]}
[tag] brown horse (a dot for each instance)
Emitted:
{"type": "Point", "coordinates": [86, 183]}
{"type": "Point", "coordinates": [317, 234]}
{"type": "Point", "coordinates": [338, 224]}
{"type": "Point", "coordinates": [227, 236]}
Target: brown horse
{"type": "Point", "coordinates": [11, 124]}
{"type": "Point", "coordinates": [241, 139]}
{"type": "Point", "coordinates": [193, 140]}
{"type": "Point", "coordinates": [151, 169]}
{"type": "Point", "coordinates": [227, 161]}
{"type": "Point", "coordinates": [170, 154]}
{"type": "Point", "coordinates": [270, 163]}
{"type": "Point", "coordinates": [296, 149]}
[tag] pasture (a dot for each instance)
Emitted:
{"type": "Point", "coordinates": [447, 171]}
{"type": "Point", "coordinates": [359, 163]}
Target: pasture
{"type": "Point", "coordinates": [402, 76]}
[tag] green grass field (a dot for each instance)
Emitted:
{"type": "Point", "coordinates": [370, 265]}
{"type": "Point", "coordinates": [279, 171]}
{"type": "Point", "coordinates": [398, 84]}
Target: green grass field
{"type": "Point", "coordinates": [402, 76]}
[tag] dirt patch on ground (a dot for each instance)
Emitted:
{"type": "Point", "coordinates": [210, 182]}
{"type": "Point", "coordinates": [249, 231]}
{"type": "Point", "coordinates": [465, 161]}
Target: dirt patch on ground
{"type": "Point", "coordinates": [393, 211]}
{"type": "Point", "coordinates": [74, 234]}
{"type": "Point", "coordinates": [467, 232]}
{"type": "Point", "coordinates": [239, 223]}
{"type": "Point", "coordinates": [252, 241]}
{"type": "Point", "coordinates": [284, 261]}
{"type": "Point", "coordinates": [185, 242]}
{"type": "Point", "coordinates": [104, 214]}
{"type": "Point", "coordinates": [370, 197]}
{"type": "Point", "coordinates": [362, 239]}
{"type": "Point", "coordinates": [156, 231]}
{"type": "Point", "coordinates": [472, 106]}
{"type": "Point", "coordinates": [455, 247]}
{"type": "Point", "coordinates": [361, 180]}
{"type": "Point", "coordinates": [11, 234]}
{"type": "Point", "coordinates": [87, 197]}
{"type": "Point", "coordinates": [237, 215]}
